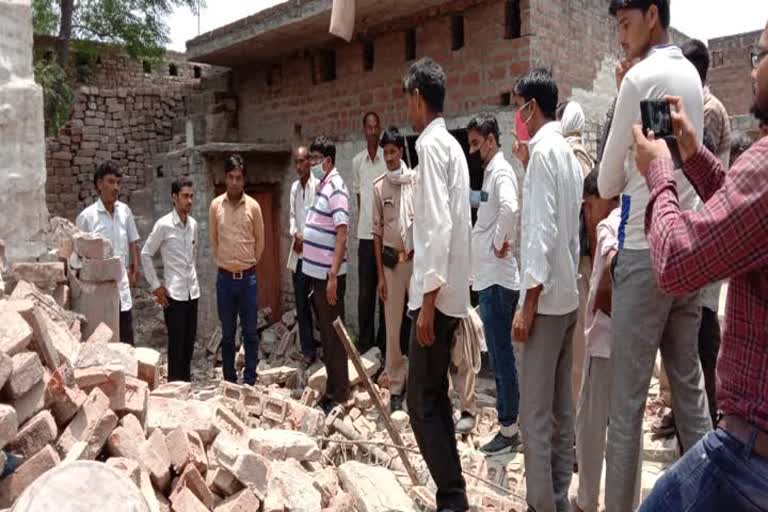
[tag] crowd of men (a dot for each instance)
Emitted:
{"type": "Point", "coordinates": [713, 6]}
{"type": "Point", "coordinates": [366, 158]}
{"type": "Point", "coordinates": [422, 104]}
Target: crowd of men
{"type": "Point", "coordinates": [592, 264]}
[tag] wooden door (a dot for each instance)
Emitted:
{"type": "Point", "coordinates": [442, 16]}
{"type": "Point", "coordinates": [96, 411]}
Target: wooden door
{"type": "Point", "coordinates": [269, 269]}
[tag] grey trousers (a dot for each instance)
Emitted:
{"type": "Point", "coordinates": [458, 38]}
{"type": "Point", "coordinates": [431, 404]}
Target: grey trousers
{"type": "Point", "coordinates": [546, 412]}
{"type": "Point", "coordinates": [646, 320]}
{"type": "Point", "coordinates": [591, 426]}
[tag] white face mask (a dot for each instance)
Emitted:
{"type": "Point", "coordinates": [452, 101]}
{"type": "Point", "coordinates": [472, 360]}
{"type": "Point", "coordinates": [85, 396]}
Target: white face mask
{"type": "Point", "coordinates": [317, 171]}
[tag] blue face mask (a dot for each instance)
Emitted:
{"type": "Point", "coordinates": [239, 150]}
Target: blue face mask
{"type": "Point", "coordinates": [318, 172]}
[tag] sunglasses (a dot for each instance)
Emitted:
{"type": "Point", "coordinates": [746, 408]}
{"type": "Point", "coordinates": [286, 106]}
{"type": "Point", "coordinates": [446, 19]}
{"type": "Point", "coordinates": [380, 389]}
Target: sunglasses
{"type": "Point", "coordinates": [755, 56]}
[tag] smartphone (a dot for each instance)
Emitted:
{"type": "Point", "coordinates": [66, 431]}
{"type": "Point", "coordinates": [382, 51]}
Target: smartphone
{"type": "Point", "coordinates": [657, 118]}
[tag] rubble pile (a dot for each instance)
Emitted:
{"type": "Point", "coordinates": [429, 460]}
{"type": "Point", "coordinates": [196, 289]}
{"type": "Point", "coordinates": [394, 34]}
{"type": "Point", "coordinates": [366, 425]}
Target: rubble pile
{"type": "Point", "coordinates": [69, 393]}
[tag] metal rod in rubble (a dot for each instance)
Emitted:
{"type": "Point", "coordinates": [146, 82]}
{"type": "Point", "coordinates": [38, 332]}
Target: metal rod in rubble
{"type": "Point", "coordinates": [391, 429]}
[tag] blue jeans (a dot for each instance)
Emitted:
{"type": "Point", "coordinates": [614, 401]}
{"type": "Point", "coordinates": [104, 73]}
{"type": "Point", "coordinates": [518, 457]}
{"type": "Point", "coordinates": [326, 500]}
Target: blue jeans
{"type": "Point", "coordinates": [497, 307]}
{"type": "Point", "coordinates": [302, 284]}
{"type": "Point", "coordinates": [718, 473]}
{"type": "Point", "coordinates": [238, 297]}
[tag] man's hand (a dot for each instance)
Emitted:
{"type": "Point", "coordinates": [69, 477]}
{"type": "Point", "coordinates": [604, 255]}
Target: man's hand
{"type": "Point", "coordinates": [520, 150]}
{"type": "Point", "coordinates": [648, 149]}
{"type": "Point", "coordinates": [161, 296]}
{"type": "Point", "coordinates": [603, 295]}
{"type": "Point", "coordinates": [502, 253]}
{"type": "Point", "coordinates": [298, 243]}
{"type": "Point", "coordinates": [133, 275]}
{"type": "Point", "coordinates": [425, 324]}
{"type": "Point", "coordinates": [522, 324]}
{"type": "Point", "coordinates": [330, 289]}
{"type": "Point", "coordinates": [683, 128]}
{"type": "Point", "coordinates": [622, 68]}
{"type": "Point", "coordinates": [382, 289]}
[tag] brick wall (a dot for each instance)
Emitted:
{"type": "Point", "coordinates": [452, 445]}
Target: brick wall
{"type": "Point", "coordinates": [729, 71]}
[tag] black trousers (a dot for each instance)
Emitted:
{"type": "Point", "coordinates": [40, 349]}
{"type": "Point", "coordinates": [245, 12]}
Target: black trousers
{"type": "Point", "coordinates": [334, 354]}
{"type": "Point", "coordinates": [181, 322]}
{"type": "Point", "coordinates": [432, 414]}
{"type": "Point", "coordinates": [709, 347]}
{"type": "Point", "coordinates": [301, 287]}
{"type": "Point", "coordinates": [367, 299]}
{"type": "Point", "coordinates": [126, 327]}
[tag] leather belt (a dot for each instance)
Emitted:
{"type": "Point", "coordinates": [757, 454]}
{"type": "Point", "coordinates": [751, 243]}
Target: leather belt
{"type": "Point", "coordinates": [743, 430]}
{"type": "Point", "coordinates": [237, 276]}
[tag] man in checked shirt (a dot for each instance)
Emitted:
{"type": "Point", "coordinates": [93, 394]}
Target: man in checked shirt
{"type": "Point", "coordinates": [728, 468]}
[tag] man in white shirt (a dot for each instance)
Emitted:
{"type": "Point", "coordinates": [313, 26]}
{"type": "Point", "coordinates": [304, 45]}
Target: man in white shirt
{"type": "Point", "coordinates": [302, 197]}
{"type": "Point", "coordinates": [175, 236]}
{"type": "Point", "coordinates": [439, 291]}
{"type": "Point", "coordinates": [367, 166]}
{"type": "Point", "coordinates": [645, 319]}
{"type": "Point", "coordinates": [113, 220]}
{"type": "Point", "coordinates": [496, 276]}
{"type": "Point", "coordinates": [546, 321]}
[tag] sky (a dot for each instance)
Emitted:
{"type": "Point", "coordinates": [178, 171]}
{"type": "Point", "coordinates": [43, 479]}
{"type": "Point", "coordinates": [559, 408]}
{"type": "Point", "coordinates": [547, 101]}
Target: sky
{"type": "Point", "coordinates": [702, 19]}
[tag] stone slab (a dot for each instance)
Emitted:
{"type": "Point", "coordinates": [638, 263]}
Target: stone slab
{"type": "Point", "coordinates": [168, 414]}
{"type": "Point", "coordinates": [35, 435]}
{"type": "Point", "coordinates": [375, 489]}
{"type": "Point", "coordinates": [15, 333]}
{"type": "Point", "coordinates": [27, 372]}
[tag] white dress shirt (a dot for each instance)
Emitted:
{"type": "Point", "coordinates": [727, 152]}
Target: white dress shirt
{"type": "Point", "coordinates": [498, 220]}
{"type": "Point", "coordinates": [552, 194]}
{"type": "Point", "coordinates": [177, 243]}
{"type": "Point", "coordinates": [120, 229]}
{"type": "Point", "coordinates": [300, 202]}
{"type": "Point", "coordinates": [442, 225]}
{"type": "Point", "coordinates": [664, 71]}
{"type": "Point", "coordinates": [364, 172]}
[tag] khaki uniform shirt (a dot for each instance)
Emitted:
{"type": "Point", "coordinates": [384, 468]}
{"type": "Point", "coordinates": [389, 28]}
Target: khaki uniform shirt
{"type": "Point", "coordinates": [237, 232]}
{"type": "Point", "coordinates": [386, 213]}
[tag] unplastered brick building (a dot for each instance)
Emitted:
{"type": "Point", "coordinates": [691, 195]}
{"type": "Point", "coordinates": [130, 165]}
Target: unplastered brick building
{"type": "Point", "coordinates": [290, 80]}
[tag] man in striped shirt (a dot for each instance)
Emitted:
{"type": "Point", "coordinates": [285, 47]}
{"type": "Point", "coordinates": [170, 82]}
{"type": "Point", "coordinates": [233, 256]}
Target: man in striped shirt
{"type": "Point", "coordinates": [324, 262]}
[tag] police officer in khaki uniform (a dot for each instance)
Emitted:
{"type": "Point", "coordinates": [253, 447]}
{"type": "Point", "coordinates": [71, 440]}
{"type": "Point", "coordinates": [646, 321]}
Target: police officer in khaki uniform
{"type": "Point", "coordinates": [393, 244]}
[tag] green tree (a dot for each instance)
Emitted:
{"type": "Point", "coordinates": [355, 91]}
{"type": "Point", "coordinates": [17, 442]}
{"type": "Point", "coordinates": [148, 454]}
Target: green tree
{"type": "Point", "coordinates": [136, 25]}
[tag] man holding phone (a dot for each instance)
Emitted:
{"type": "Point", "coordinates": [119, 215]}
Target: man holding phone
{"type": "Point", "coordinates": [645, 319]}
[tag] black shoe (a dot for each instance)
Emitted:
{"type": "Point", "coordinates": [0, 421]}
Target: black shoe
{"type": "Point", "coordinates": [326, 405]}
{"type": "Point", "coordinates": [502, 444]}
{"type": "Point", "coordinates": [395, 403]}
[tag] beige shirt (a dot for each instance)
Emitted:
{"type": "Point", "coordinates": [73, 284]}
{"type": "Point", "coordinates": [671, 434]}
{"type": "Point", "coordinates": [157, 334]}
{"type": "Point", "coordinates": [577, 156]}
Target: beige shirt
{"type": "Point", "coordinates": [237, 232]}
{"type": "Point", "coordinates": [386, 213]}
{"type": "Point", "coordinates": [364, 173]}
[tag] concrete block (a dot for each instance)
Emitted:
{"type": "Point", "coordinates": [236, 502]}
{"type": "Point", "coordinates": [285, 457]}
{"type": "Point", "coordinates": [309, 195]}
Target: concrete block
{"type": "Point", "coordinates": [155, 457]}
{"type": "Point", "coordinates": [100, 271]}
{"type": "Point", "coordinates": [309, 420]}
{"type": "Point", "coordinates": [102, 334]}
{"type": "Point", "coordinates": [185, 447]}
{"type": "Point", "coordinates": [31, 402]}
{"type": "Point", "coordinates": [42, 341]}
{"type": "Point", "coordinates": [136, 399]}
{"type": "Point", "coordinates": [110, 380]}
{"type": "Point", "coordinates": [149, 365]}
{"type": "Point", "coordinates": [61, 397]}
{"type": "Point", "coordinates": [243, 501]}
{"type": "Point", "coordinates": [98, 302]}
{"type": "Point", "coordinates": [286, 375]}
{"type": "Point", "coordinates": [178, 390]}
{"type": "Point", "coordinates": [42, 274]}
{"type": "Point", "coordinates": [8, 424]}
{"type": "Point", "coordinates": [34, 435]}
{"type": "Point", "coordinates": [186, 501]}
{"type": "Point", "coordinates": [225, 420]}
{"type": "Point", "coordinates": [290, 488]}
{"type": "Point", "coordinates": [88, 245]}
{"type": "Point", "coordinates": [103, 355]}
{"type": "Point", "coordinates": [128, 467]}
{"type": "Point", "coordinates": [27, 372]}
{"type": "Point", "coordinates": [192, 479]}
{"type": "Point", "coordinates": [127, 439]}
{"type": "Point", "coordinates": [14, 484]}
{"type": "Point", "coordinates": [223, 482]}
{"type": "Point", "coordinates": [15, 333]}
{"type": "Point", "coordinates": [89, 425]}
{"type": "Point", "coordinates": [277, 444]}
{"type": "Point", "coordinates": [374, 488]}
{"type": "Point", "coordinates": [6, 368]}
{"type": "Point", "coordinates": [168, 414]}
{"type": "Point", "coordinates": [249, 468]}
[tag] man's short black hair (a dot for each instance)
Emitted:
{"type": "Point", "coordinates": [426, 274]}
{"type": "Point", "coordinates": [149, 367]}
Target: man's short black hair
{"type": "Point", "coordinates": [392, 136]}
{"type": "Point", "coordinates": [662, 5]}
{"type": "Point", "coordinates": [234, 163]}
{"type": "Point", "coordinates": [105, 169]}
{"type": "Point", "coordinates": [539, 85]}
{"type": "Point", "coordinates": [371, 113]}
{"type": "Point", "coordinates": [179, 184]}
{"type": "Point", "coordinates": [590, 184]}
{"type": "Point", "coordinates": [325, 147]}
{"type": "Point", "coordinates": [698, 54]}
{"type": "Point", "coordinates": [485, 124]}
{"type": "Point", "coordinates": [429, 78]}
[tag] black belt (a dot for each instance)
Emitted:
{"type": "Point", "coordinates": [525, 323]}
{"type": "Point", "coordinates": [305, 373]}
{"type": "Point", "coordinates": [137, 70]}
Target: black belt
{"type": "Point", "coordinates": [237, 276]}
